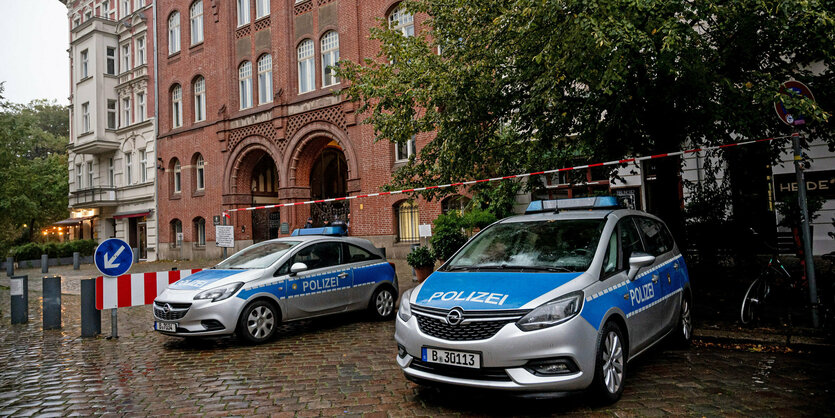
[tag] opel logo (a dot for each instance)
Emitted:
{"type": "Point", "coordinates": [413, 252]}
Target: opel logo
{"type": "Point", "coordinates": [454, 316]}
{"type": "Point", "coordinates": [166, 308]}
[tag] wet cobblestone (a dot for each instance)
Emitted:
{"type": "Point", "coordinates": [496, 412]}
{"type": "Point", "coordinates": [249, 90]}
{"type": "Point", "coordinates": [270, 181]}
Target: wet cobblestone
{"type": "Point", "coordinates": [344, 366]}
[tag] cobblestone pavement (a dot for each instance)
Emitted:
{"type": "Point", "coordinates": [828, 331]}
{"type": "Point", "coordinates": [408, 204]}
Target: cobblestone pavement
{"type": "Point", "coordinates": [344, 365]}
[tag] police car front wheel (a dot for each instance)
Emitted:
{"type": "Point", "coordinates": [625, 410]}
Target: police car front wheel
{"type": "Point", "coordinates": [381, 305]}
{"type": "Point", "coordinates": [610, 367]}
{"type": "Point", "coordinates": [258, 321]}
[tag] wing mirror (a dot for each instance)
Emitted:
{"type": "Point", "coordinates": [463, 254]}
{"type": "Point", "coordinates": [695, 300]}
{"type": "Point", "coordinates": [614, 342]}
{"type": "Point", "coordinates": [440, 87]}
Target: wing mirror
{"type": "Point", "coordinates": [638, 261]}
{"type": "Point", "coordinates": [297, 268]}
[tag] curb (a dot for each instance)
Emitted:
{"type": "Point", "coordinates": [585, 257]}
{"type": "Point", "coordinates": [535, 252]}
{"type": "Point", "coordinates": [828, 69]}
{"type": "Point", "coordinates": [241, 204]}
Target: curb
{"type": "Point", "coordinates": [795, 342]}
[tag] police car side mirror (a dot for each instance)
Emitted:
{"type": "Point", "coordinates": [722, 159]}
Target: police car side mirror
{"type": "Point", "coordinates": [637, 261]}
{"type": "Point", "coordinates": [297, 267]}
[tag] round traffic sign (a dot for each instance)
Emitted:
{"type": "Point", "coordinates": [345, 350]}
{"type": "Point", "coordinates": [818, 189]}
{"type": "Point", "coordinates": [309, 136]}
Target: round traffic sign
{"type": "Point", "coordinates": [786, 115]}
{"type": "Point", "coordinates": [113, 257]}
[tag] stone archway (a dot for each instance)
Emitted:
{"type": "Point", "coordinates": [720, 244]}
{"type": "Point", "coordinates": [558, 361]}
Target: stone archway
{"type": "Point", "coordinates": [252, 177]}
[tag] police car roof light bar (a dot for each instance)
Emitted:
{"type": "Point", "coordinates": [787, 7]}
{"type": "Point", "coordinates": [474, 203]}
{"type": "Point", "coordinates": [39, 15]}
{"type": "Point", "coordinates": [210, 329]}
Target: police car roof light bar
{"type": "Point", "coordinates": [336, 231]}
{"type": "Point", "coordinates": [579, 203]}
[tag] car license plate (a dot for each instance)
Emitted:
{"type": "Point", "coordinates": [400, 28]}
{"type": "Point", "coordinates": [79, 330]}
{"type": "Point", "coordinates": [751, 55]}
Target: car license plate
{"type": "Point", "coordinates": [165, 326]}
{"type": "Point", "coordinates": [453, 358]}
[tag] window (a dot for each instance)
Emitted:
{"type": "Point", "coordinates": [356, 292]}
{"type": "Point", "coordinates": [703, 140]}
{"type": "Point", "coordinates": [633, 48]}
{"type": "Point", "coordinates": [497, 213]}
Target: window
{"type": "Point", "coordinates": [630, 241]}
{"type": "Point", "coordinates": [125, 57]}
{"type": "Point", "coordinates": [245, 85]}
{"type": "Point", "coordinates": [354, 254]}
{"type": "Point", "coordinates": [307, 77]}
{"type": "Point", "coordinates": [85, 117]}
{"type": "Point", "coordinates": [402, 21]}
{"type": "Point", "coordinates": [196, 13]}
{"type": "Point", "coordinates": [199, 99]}
{"type": "Point", "coordinates": [140, 51]}
{"type": "Point", "coordinates": [126, 111]}
{"type": "Point", "coordinates": [265, 79]}
{"type": "Point", "coordinates": [177, 106]}
{"type": "Point", "coordinates": [455, 203]}
{"type": "Point", "coordinates": [76, 22]}
{"type": "Point", "coordinates": [89, 174]}
{"type": "Point", "coordinates": [140, 107]}
{"type": "Point", "coordinates": [655, 236]}
{"type": "Point", "coordinates": [610, 260]}
{"type": "Point", "coordinates": [199, 232]}
{"type": "Point", "coordinates": [111, 114]}
{"type": "Point", "coordinates": [262, 8]}
{"type": "Point", "coordinates": [200, 169]}
{"type": "Point", "coordinates": [111, 60]}
{"type": "Point", "coordinates": [88, 14]}
{"type": "Point", "coordinates": [78, 176]}
{"type": "Point", "coordinates": [128, 169]}
{"type": "Point", "coordinates": [105, 8]}
{"type": "Point", "coordinates": [125, 7]}
{"type": "Point", "coordinates": [111, 172]}
{"type": "Point", "coordinates": [138, 4]}
{"type": "Point", "coordinates": [84, 63]}
{"type": "Point", "coordinates": [243, 12]}
{"type": "Point", "coordinates": [143, 166]}
{"type": "Point", "coordinates": [317, 256]}
{"type": "Point", "coordinates": [330, 56]}
{"type": "Point", "coordinates": [176, 233]}
{"type": "Point", "coordinates": [174, 33]}
{"type": "Point", "coordinates": [177, 173]}
{"type": "Point", "coordinates": [407, 222]}
{"type": "Point", "coordinates": [402, 152]}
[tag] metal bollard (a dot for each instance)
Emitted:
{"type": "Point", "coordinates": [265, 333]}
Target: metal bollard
{"type": "Point", "coordinates": [135, 255]}
{"type": "Point", "coordinates": [44, 263]}
{"type": "Point", "coordinates": [10, 266]}
{"type": "Point", "coordinates": [20, 299]}
{"type": "Point", "coordinates": [76, 260]}
{"type": "Point", "coordinates": [52, 302]}
{"type": "Point", "coordinates": [90, 316]}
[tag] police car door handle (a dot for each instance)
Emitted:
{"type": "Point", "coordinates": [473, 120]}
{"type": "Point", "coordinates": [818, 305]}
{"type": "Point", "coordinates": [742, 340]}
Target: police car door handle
{"type": "Point", "coordinates": [675, 266]}
{"type": "Point", "coordinates": [655, 278]}
{"type": "Point", "coordinates": [342, 275]}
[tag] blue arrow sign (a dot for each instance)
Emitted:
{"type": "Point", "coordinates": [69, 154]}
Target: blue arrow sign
{"type": "Point", "coordinates": [113, 257]}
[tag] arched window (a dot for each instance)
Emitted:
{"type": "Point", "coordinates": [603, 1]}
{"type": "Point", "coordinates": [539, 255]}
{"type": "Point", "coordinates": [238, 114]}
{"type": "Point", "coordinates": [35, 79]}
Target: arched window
{"type": "Point", "coordinates": [176, 233]}
{"type": "Point", "coordinates": [174, 33]}
{"type": "Point", "coordinates": [245, 84]}
{"type": "Point", "coordinates": [330, 56]}
{"type": "Point", "coordinates": [199, 232]}
{"type": "Point", "coordinates": [407, 221]}
{"type": "Point", "coordinates": [455, 203]}
{"type": "Point", "coordinates": [177, 180]}
{"type": "Point", "coordinates": [243, 12]}
{"type": "Point", "coordinates": [177, 106]}
{"type": "Point", "coordinates": [200, 170]}
{"type": "Point", "coordinates": [199, 99]}
{"type": "Point", "coordinates": [265, 79]}
{"type": "Point", "coordinates": [196, 13]}
{"type": "Point", "coordinates": [307, 72]}
{"type": "Point", "coordinates": [402, 21]}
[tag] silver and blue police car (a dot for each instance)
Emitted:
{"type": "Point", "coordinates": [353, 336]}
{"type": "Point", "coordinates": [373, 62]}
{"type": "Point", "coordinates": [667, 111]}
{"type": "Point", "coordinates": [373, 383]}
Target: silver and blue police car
{"type": "Point", "coordinates": [557, 300]}
{"type": "Point", "coordinates": [313, 273]}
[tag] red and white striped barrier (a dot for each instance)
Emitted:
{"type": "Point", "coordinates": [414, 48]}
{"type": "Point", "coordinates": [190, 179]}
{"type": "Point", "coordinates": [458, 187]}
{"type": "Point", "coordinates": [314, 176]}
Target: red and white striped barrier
{"type": "Point", "coordinates": [515, 176]}
{"type": "Point", "coordinates": [135, 289]}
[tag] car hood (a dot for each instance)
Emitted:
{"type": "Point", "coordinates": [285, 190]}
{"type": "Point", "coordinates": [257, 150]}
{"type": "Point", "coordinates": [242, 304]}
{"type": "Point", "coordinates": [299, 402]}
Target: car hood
{"type": "Point", "coordinates": [489, 290]}
{"type": "Point", "coordinates": [206, 279]}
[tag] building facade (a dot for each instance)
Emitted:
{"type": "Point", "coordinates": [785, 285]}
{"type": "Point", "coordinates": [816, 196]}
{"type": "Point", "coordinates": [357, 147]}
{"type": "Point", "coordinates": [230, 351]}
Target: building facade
{"type": "Point", "coordinates": [112, 153]}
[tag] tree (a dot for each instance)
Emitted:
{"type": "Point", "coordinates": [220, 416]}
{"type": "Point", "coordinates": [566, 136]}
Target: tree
{"type": "Point", "coordinates": [527, 85]}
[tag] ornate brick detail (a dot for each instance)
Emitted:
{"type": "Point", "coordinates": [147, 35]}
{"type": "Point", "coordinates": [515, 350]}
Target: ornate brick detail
{"type": "Point", "coordinates": [332, 114]}
{"type": "Point", "coordinates": [264, 129]}
{"type": "Point", "coordinates": [262, 24]}
{"type": "Point", "coordinates": [321, 2]}
{"type": "Point", "coordinates": [304, 7]}
{"type": "Point", "coordinates": [244, 31]}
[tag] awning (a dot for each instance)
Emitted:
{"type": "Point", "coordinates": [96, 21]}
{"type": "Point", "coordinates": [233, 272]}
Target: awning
{"type": "Point", "coordinates": [134, 214]}
{"type": "Point", "coordinates": [74, 221]}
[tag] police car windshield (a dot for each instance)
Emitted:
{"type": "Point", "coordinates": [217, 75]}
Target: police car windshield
{"type": "Point", "coordinates": [258, 256]}
{"type": "Point", "coordinates": [551, 245]}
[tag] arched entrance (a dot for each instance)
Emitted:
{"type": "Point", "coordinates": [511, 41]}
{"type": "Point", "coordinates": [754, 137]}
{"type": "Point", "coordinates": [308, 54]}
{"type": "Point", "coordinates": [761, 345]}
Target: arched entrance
{"type": "Point", "coordinates": [263, 186]}
{"type": "Point", "coordinates": [329, 179]}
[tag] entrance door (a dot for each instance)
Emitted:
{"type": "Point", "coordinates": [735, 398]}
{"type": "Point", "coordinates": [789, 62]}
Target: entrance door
{"type": "Point", "coordinates": [142, 233]}
{"type": "Point", "coordinates": [274, 224]}
{"type": "Point", "coordinates": [133, 237]}
{"type": "Point", "coordinates": [329, 179]}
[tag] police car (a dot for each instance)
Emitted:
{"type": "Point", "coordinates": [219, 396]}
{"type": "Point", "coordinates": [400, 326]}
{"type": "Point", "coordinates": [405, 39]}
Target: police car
{"type": "Point", "coordinates": [559, 299]}
{"type": "Point", "coordinates": [312, 273]}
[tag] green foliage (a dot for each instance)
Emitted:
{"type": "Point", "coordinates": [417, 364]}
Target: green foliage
{"type": "Point", "coordinates": [478, 218]}
{"type": "Point", "coordinates": [33, 251]}
{"type": "Point", "coordinates": [447, 237]}
{"type": "Point", "coordinates": [789, 209]}
{"type": "Point", "coordinates": [528, 85]}
{"type": "Point", "coordinates": [420, 257]}
{"type": "Point", "coordinates": [709, 199]}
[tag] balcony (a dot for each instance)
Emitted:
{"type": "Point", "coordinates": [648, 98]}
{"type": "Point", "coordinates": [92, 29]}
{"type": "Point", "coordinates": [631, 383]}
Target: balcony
{"type": "Point", "coordinates": [133, 74]}
{"type": "Point", "coordinates": [93, 144]}
{"type": "Point", "coordinates": [94, 197]}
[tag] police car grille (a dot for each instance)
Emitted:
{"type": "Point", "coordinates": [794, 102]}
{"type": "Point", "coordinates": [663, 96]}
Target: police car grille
{"type": "Point", "coordinates": [496, 374]}
{"type": "Point", "coordinates": [178, 310]}
{"type": "Point", "coordinates": [480, 330]}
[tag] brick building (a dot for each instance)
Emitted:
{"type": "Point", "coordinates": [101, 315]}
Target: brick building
{"type": "Point", "coordinates": [247, 116]}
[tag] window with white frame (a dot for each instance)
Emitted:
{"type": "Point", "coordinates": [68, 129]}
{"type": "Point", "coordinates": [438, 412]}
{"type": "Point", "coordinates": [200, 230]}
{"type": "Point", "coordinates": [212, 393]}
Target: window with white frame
{"type": "Point", "coordinates": [140, 51]}
{"type": "Point", "coordinates": [174, 33]}
{"type": "Point", "coordinates": [143, 166]}
{"type": "Point", "coordinates": [111, 60]}
{"type": "Point", "coordinates": [138, 4]}
{"type": "Point", "coordinates": [330, 56]}
{"type": "Point", "coordinates": [245, 84]}
{"type": "Point", "coordinates": [196, 13]}
{"type": "Point", "coordinates": [128, 169]}
{"type": "Point", "coordinates": [307, 72]}
{"type": "Point", "coordinates": [125, 57]}
{"type": "Point", "coordinates": [200, 168]}
{"type": "Point", "coordinates": [177, 106]}
{"type": "Point", "coordinates": [111, 172]}
{"type": "Point", "coordinates": [265, 79]}
{"type": "Point", "coordinates": [243, 12]}
{"type": "Point", "coordinates": [84, 64]}
{"type": "Point", "coordinates": [140, 107]}
{"type": "Point", "coordinates": [262, 8]}
{"type": "Point", "coordinates": [111, 115]}
{"type": "Point", "coordinates": [126, 120]}
{"type": "Point", "coordinates": [85, 117]}
{"type": "Point", "coordinates": [89, 174]}
{"type": "Point", "coordinates": [199, 99]}
{"type": "Point", "coordinates": [200, 232]}
{"type": "Point", "coordinates": [176, 233]}
{"type": "Point", "coordinates": [76, 21]}
{"type": "Point", "coordinates": [78, 177]}
{"type": "Point", "coordinates": [402, 21]}
{"type": "Point", "coordinates": [88, 14]}
{"type": "Point", "coordinates": [125, 7]}
{"type": "Point", "coordinates": [178, 185]}
{"type": "Point", "coordinates": [105, 9]}
{"type": "Point", "coordinates": [402, 152]}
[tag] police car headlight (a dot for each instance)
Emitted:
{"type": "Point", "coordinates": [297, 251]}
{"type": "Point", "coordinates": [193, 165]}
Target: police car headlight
{"type": "Point", "coordinates": [552, 313]}
{"type": "Point", "coordinates": [219, 293]}
{"type": "Point", "coordinates": [405, 311]}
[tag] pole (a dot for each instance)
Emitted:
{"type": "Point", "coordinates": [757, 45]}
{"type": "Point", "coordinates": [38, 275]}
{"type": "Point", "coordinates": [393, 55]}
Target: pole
{"type": "Point", "coordinates": [114, 319]}
{"type": "Point", "coordinates": [804, 228]}
{"type": "Point", "coordinates": [90, 316]}
{"type": "Point", "coordinates": [223, 222]}
{"type": "Point", "coordinates": [52, 302]}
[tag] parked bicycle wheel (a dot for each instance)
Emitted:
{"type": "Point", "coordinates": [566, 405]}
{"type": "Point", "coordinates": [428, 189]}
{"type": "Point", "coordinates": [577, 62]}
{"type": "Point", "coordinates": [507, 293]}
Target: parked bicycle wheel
{"type": "Point", "coordinates": [754, 300]}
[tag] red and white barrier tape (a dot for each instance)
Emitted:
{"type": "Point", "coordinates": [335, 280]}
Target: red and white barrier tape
{"type": "Point", "coordinates": [515, 176]}
{"type": "Point", "coordinates": [135, 289]}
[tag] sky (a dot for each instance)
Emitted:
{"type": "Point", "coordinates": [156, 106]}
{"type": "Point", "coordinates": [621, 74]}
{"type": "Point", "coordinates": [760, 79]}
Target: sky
{"type": "Point", "coordinates": [34, 38]}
